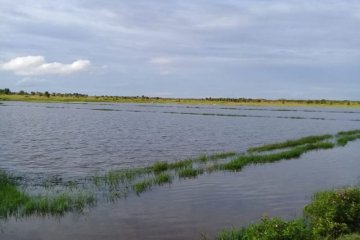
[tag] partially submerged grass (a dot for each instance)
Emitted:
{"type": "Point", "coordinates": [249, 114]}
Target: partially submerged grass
{"type": "Point", "coordinates": [189, 173]}
{"type": "Point", "coordinates": [160, 166]}
{"type": "Point", "coordinates": [222, 155]}
{"type": "Point", "coordinates": [290, 143]}
{"type": "Point", "coordinates": [180, 164]}
{"type": "Point", "coordinates": [238, 163]}
{"type": "Point", "coordinates": [115, 177]}
{"type": "Point", "coordinates": [343, 140]}
{"type": "Point", "coordinates": [351, 132]}
{"type": "Point", "coordinates": [142, 186]}
{"type": "Point", "coordinates": [16, 202]}
{"type": "Point", "coordinates": [162, 178]}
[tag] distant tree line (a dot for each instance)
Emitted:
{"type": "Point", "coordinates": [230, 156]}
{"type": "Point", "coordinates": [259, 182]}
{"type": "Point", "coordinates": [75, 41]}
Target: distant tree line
{"type": "Point", "coordinates": [7, 91]}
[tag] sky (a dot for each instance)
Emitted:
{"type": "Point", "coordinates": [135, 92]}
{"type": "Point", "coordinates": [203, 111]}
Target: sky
{"type": "Point", "coordinates": [295, 49]}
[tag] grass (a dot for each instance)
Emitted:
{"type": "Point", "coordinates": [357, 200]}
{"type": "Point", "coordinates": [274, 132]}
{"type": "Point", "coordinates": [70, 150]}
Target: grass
{"type": "Point", "coordinates": [238, 163]}
{"type": "Point", "coordinates": [115, 177]}
{"type": "Point", "coordinates": [290, 143]}
{"type": "Point", "coordinates": [143, 186]}
{"type": "Point", "coordinates": [222, 155]}
{"type": "Point", "coordinates": [16, 202]}
{"type": "Point", "coordinates": [160, 166]}
{"type": "Point", "coordinates": [189, 173]}
{"type": "Point", "coordinates": [181, 164]}
{"type": "Point", "coordinates": [351, 132]}
{"type": "Point", "coordinates": [330, 215]}
{"type": "Point", "coordinates": [162, 178]}
{"type": "Point", "coordinates": [344, 139]}
{"type": "Point", "coordinates": [270, 229]}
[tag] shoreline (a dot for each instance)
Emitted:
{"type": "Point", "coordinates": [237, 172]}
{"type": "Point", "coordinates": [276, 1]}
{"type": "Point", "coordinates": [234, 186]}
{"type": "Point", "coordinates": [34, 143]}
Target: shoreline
{"type": "Point", "coordinates": [183, 101]}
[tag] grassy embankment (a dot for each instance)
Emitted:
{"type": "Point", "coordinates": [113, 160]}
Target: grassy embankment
{"type": "Point", "coordinates": [14, 201]}
{"type": "Point", "coordinates": [191, 101]}
{"type": "Point", "coordinates": [331, 215]}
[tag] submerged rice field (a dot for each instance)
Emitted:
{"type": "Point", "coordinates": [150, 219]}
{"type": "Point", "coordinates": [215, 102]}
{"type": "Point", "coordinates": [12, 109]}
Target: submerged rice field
{"type": "Point", "coordinates": [149, 173]}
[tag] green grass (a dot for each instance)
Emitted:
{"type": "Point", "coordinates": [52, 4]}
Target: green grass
{"type": "Point", "coordinates": [162, 178]}
{"type": "Point", "coordinates": [351, 132]}
{"type": "Point", "coordinates": [16, 202]}
{"type": "Point", "coordinates": [189, 173]}
{"type": "Point", "coordinates": [143, 186]}
{"type": "Point", "coordinates": [180, 164]}
{"type": "Point", "coordinates": [270, 229]}
{"type": "Point", "coordinates": [238, 163]}
{"type": "Point", "coordinates": [344, 139]}
{"type": "Point", "coordinates": [222, 155]}
{"type": "Point", "coordinates": [115, 177]}
{"type": "Point", "coordinates": [330, 215]}
{"type": "Point", "coordinates": [290, 143]}
{"type": "Point", "coordinates": [160, 166]}
{"type": "Point", "coordinates": [11, 198]}
{"type": "Point", "coordinates": [350, 237]}
{"type": "Point", "coordinates": [334, 213]}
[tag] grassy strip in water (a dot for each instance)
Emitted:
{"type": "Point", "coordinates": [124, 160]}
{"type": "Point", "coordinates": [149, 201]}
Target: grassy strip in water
{"type": "Point", "coordinates": [351, 132]}
{"type": "Point", "coordinates": [290, 143]}
{"type": "Point", "coordinates": [189, 172]}
{"type": "Point", "coordinates": [344, 139]}
{"type": "Point", "coordinates": [16, 202]}
{"type": "Point", "coordinates": [238, 163]}
{"type": "Point", "coordinates": [330, 215]}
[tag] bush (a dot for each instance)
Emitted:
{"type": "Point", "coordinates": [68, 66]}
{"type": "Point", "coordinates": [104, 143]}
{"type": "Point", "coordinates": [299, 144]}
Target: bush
{"type": "Point", "coordinates": [334, 213]}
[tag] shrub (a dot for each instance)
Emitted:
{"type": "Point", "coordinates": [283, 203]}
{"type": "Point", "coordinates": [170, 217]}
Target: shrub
{"type": "Point", "coordinates": [334, 213]}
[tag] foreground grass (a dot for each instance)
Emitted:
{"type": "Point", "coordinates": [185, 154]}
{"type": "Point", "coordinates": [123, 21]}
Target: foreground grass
{"type": "Point", "coordinates": [331, 215]}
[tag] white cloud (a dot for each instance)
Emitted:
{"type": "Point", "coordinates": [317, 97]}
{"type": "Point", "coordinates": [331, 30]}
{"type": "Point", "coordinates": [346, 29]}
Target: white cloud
{"type": "Point", "coordinates": [36, 65]}
{"type": "Point", "coordinates": [161, 61]}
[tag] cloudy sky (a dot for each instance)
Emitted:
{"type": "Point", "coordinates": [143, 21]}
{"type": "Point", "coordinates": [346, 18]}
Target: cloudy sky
{"type": "Point", "coordinates": [185, 48]}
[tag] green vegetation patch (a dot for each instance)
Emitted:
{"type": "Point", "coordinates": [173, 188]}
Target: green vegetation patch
{"type": "Point", "coordinates": [270, 229]}
{"type": "Point", "coordinates": [334, 213]}
{"type": "Point", "coordinates": [238, 163]}
{"type": "Point", "coordinates": [331, 215]}
{"type": "Point", "coordinates": [143, 186]}
{"type": "Point", "coordinates": [15, 202]}
{"type": "Point", "coordinates": [162, 178]}
{"type": "Point", "coordinates": [160, 166]}
{"type": "Point", "coordinates": [189, 173]}
{"type": "Point", "coordinates": [290, 143]}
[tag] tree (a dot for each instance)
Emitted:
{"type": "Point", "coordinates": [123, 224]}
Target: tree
{"type": "Point", "coordinates": [47, 94]}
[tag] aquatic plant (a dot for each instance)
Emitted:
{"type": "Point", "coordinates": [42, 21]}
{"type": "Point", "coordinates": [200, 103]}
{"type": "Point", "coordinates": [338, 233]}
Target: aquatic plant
{"type": "Point", "coordinates": [290, 143]}
{"type": "Point", "coordinates": [243, 160]}
{"type": "Point", "coordinates": [159, 166]}
{"type": "Point", "coordinates": [142, 186]}
{"type": "Point", "coordinates": [162, 178]}
{"type": "Point", "coordinates": [189, 172]}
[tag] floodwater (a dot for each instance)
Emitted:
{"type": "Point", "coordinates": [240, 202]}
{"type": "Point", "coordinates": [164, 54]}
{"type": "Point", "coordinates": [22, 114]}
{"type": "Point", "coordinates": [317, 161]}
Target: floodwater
{"type": "Point", "coordinates": [40, 140]}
